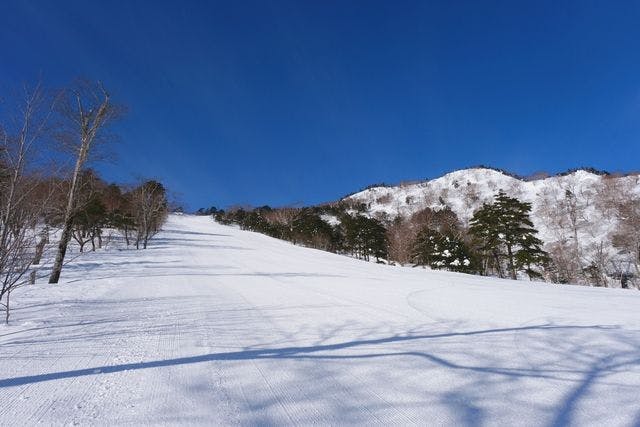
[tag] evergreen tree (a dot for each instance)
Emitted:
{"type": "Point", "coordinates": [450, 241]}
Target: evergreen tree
{"type": "Point", "coordinates": [530, 255]}
{"type": "Point", "coordinates": [254, 221]}
{"type": "Point", "coordinates": [88, 223]}
{"type": "Point", "coordinates": [426, 247]}
{"type": "Point", "coordinates": [506, 235]}
{"type": "Point", "coordinates": [375, 238]}
{"type": "Point", "coordinates": [441, 251]}
{"type": "Point", "coordinates": [310, 229]}
{"type": "Point", "coordinates": [483, 227]}
{"type": "Point", "coordinates": [364, 237]}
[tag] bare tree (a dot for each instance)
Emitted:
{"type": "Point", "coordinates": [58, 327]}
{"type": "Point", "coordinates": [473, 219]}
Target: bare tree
{"type": "Point", "coordinates": [150, 209]}
{"type": "Point", "coordinates": [20, 209]}
{"type": "Point", "coordinates": [283, 217]}
{"type": "Point", "coordinates": [626, 238]}
{"type": "Point", "coordinates": [401, 234]}
{"type": "Point", "coordinates": [118, 209]}
{"type": "Point", "coordinates": [596, 270]}
{"type": "Point", "coordinates": [563, 206]}
{"type": "Point", "coordinates": [86, 110]}
{"type": "Point", "coordinates": [574, 209]}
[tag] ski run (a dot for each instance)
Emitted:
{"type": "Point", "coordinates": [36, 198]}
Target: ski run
{"type": "Point", "coordinates": [216, 326]}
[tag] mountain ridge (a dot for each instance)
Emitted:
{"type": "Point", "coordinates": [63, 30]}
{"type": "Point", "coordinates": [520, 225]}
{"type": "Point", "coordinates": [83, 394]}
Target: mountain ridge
{"type": "Point", "coordinates": [535, 176]}
{"type": "Point", "coordinates": [577, 213]}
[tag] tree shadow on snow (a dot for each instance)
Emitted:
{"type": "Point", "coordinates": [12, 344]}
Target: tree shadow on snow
{"type": "Point", "coordinates": [581, 367]}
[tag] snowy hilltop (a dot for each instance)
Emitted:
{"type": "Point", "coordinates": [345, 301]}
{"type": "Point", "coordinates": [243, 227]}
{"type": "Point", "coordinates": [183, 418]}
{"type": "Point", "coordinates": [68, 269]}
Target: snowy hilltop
{"type": "Point", "coordinates": [578, 214]}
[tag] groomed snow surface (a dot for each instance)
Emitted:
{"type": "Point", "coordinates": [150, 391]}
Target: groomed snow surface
{"type": "Point", "coordinates": [216, 326]}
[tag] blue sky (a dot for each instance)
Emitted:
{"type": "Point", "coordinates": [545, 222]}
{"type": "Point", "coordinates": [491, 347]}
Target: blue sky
{"type": "Point", "coordinates": [284, 102]}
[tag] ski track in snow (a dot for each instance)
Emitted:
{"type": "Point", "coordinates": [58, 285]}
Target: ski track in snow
{"type": "Point", "coordinates": [216, 326]}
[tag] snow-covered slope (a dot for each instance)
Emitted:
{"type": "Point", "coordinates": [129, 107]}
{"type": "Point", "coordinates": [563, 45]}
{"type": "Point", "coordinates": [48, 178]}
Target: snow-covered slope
{"type": "Point", "coordinates": [464, 191]}
{"type": "Point", "coordinates": [216, 326]}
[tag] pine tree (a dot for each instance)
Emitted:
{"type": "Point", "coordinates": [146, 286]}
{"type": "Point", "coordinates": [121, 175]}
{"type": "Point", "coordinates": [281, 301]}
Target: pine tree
{"type": "Point", "coordinates": [364, 237]}
{"type": "Point", "coordinates": [425, 247]}
{"type": "Point", "coordinates": [310, 229]}
{"type": "Point", "coordinates": [376, 238]}
{"type": "Point", "coordinates": [506, 234]}
{"type": "Point", "coordinates": [530, 255]}
{"type": "Point", "coordinates": [483, 226]}
{"type": "Point", "coordinates": [441, 251]}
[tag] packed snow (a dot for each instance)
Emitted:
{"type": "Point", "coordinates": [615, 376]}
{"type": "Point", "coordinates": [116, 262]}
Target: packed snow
{"type": "Point", "coordinates": [216, 326]}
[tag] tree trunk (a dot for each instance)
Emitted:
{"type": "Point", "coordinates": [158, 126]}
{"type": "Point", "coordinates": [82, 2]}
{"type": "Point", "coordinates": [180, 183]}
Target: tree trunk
{"type": "Point", "coordinates": [624, 281]}
{"type": "Point", "coordinates": [576, 244]}
{"type": "Point", "coordinates": [512, 267]}
{"type": "Point", "coordinates": [68, 218]}
{"type": "Point", "coordinates": [44, 239]}
{"type": "Point", "coordinates": [62, 250]}
{"type": "Point", "coordinates": [6, 316]}
{"type": "Point", "coordinates": [91, 122]}
{"type": "Point", "coordinates": [496, 258]}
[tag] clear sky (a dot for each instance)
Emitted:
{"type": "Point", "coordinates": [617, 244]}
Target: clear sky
{"type": "Point", "coordinates": [281, 102]}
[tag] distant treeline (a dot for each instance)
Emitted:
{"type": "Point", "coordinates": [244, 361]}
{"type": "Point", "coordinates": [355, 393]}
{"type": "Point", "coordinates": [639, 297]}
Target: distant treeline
{"type": "Point", "coordinates": [500, 240]}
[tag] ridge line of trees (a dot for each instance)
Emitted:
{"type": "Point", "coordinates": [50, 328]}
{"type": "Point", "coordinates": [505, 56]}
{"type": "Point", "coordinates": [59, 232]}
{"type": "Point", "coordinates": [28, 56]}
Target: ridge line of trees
{"type": "Point", "coordinates": [500, 240]}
